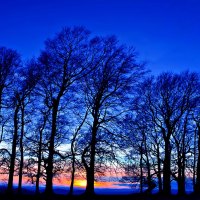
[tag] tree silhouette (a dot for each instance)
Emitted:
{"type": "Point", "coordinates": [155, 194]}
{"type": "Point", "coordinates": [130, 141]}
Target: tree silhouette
{"type": "Point", "coordinates": [105, 93]}
{"type": "Point", "coordinates": [63, 62]}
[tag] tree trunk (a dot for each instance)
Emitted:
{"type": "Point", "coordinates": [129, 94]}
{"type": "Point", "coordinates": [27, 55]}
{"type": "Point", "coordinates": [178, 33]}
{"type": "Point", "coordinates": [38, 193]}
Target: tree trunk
{"type": "Point", "coordinates": [90, 182]}
{"type": "Point", "coordinates": [21, 150]}
{"type": "Point", "coordinates": [73, 161]}
{"type": "Point", "coordinates": [181, 183]}
{"type": "Point", "coordinates": [40, 153]}
{"type": "Point", "coordinates": [49, 170]}
{"type": "Point", "coordinates": [73, 152]}
{"type": "Point", "coordinates": [90, 172]}
{"type": "Point", "coordinates": [166, 168]}
{"type": "Point", "coordinates": [159, 170]}
{"type": "Point", "coordinates": [149, 181]}
{"type": "Point", "coordinates": [13, 155]}
{"type": "Point", "coordinates": [72, 177]}
{"type": "Point", "coordinates": [39, 163]}
{"type": "Point", "coordinates": [141, 172]}
{"type": "Point", "coordinates": [183, 175]}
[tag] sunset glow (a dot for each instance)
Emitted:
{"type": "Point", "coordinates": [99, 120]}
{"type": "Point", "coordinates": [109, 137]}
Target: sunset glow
{"type": "Point", "coordinates": [63, 180]}
{"type": "Point", "coordinates": [80, 183]}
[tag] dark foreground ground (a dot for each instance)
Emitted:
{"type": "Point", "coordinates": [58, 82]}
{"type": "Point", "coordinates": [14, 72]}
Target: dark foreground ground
{"type": "Point", "coordinates": [99, 197]}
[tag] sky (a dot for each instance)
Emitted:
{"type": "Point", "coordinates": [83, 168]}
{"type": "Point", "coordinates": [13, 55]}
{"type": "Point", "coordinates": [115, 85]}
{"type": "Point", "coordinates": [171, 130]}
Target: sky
{"type": "Point", "coordinates": [165, 33]}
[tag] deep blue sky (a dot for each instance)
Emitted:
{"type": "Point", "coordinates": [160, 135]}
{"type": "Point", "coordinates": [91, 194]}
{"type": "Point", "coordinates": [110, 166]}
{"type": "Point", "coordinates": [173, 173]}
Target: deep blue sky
{"type": "Point", "coordinates": [165, 33]}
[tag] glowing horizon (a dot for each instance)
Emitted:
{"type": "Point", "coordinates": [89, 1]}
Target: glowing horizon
{"type": "Point", "coordinates": [78, 182]}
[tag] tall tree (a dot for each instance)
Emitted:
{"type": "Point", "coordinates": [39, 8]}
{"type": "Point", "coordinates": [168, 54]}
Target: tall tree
{"type": "Point", "coordinates": [14, 142]}
{"type": "Point", "coordinates": [63, 62]}
{"type": "Point", "coordinates": [9, 62]}
{"type": "Point", "coordinates": [106, 90]}
{"type": "Point", "coordinates": [25, 81]}
{"type": "Point", "coordinates": [29, 76]}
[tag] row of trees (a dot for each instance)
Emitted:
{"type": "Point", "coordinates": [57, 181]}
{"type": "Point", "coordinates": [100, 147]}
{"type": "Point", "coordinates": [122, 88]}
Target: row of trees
{"type": "Point", "coordinates": [165, 131]}
{"type": "Point", "coordinates": [85, 105]}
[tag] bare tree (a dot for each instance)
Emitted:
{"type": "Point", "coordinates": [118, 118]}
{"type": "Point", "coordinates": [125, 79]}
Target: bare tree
{"type": "Point", "coordinates": [105, 92]}
{"type": "Point", "coordinates": [63, 62]}
{"type": "Point", "coordinates": [29, 78]}
{"type": "Point", "coordinates": [26, 79]}
{"type": "Point", "coordinates": [9, 63]}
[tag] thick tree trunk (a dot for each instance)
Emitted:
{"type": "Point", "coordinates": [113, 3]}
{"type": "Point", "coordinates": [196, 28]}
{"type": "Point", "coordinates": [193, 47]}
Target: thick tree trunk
{"type": "Point", "coordinates": [72, 178]}
{"type": "Point", "coordinates": [90, 171]}
{"type": "Point", "coordinates": [49, 170]}
{"type": "Point", "coordinates": [13, 155]}
{"type": "Point", "coordinates": [159, 170]}
{"type": "Point", "coordinates": [183, 174]}
{"type": "Point", "coordinates": [90, 182]}
{"type": "Point", "coordinates": [166, 169]}
{"type": "Point", "coordinates": [181, 183]}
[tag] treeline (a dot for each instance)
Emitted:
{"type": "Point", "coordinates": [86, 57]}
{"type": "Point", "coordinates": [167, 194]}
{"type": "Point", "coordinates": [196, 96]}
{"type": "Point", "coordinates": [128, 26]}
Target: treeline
{"type": "Point", "coordinates": [85, 105]}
